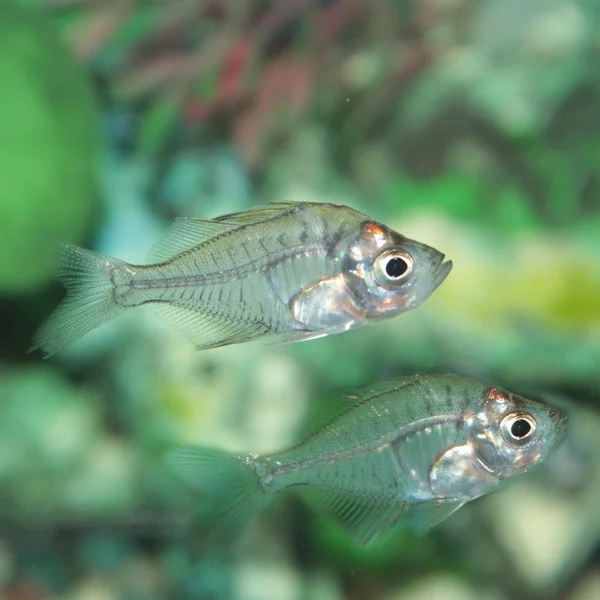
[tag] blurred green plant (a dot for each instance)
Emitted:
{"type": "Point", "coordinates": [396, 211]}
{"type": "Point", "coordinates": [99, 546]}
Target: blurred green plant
{"type": "Point", "coordinates": [50, 139]}
{"type": "Point", "coordinates": [479, 97]}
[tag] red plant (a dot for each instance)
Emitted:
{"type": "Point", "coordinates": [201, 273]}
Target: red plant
{"type": "Point", "coordinates": [259, 65]}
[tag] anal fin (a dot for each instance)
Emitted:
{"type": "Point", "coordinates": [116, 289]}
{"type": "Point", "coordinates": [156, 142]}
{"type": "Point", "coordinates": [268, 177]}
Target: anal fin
{"type": "Point", "coordinates": [208, 331]}
{"type": "Point", "coordinates": [368, 521]}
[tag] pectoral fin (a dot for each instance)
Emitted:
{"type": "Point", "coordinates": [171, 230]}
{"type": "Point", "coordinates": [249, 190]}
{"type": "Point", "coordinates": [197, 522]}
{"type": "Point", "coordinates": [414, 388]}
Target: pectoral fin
{"type": "Point", "coordinates": [420, 518]}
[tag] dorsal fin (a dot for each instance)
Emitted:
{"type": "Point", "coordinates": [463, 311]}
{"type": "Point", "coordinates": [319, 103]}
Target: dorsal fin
{"type": "Point", "coordinates": [185, 234]}
{"type": "Point", "coordinates": [383, 387]}
{"type": "Point", "coordinates": [324, 413]}
{"type": "Point", "coordinates": [259, 213]}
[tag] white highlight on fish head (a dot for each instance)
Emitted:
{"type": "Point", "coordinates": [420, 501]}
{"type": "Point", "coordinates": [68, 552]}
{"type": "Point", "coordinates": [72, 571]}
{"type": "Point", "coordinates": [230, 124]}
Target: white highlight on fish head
{"type": "Point", "coordinates": [457, 474]}
{"type": "Point", "coordinates": [326, 305]}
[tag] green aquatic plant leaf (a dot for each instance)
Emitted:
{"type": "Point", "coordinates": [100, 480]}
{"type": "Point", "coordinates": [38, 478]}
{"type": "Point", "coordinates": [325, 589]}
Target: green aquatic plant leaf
{"type": "Point", "coordinates": [158, 122]}
{"type": "Point", "coordinates": [49, 142]}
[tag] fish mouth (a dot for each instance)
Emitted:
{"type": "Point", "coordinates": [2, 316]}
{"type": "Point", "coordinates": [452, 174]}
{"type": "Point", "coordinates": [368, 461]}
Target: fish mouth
{"type": "Point", "coordinates": [441, 270]}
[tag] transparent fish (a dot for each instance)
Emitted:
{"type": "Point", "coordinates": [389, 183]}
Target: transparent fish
{"type": "Point", "coordinates": [297, 270]}
{"type": "Point", "coordinates": [410, 451]}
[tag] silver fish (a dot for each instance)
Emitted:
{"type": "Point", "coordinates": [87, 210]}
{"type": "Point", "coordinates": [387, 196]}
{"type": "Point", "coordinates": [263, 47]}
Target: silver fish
{"type": "Point", "coordinates": [410, 451]}
{"type": "Point", "coordinates": [297, 270]}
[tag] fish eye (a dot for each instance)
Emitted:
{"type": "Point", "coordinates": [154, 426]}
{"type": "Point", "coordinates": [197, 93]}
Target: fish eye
{"type": "Point", "coordinates": [393, 266]}
{"type": "Point", "coordinates": [396, 267]}
{"type": "Point", "coordinates": [518, 428]}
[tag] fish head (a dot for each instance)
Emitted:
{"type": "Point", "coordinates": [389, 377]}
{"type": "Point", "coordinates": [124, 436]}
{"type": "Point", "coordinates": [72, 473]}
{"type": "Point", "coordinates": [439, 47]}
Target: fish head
{"type": "Point", "coordinates": [389, 273]}
{"type": "Point", "coordinates": [510, 433]}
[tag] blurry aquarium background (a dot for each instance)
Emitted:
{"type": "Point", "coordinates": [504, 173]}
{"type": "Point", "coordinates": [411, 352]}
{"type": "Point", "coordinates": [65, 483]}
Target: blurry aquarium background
{"type": "Point", "coordinates": [473, 126]}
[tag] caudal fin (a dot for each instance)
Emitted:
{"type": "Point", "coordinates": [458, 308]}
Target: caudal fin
{"type": "Point", "coordinates": [89, 302]}
{"type": "Point", "coordinates": [230, 479]}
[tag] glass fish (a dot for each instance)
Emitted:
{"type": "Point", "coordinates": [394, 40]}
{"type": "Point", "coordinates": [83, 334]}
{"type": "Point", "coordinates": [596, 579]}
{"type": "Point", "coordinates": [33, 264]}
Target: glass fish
{"type": "Point", "coordinates": [410, 451]}
{"type": "Point", "coordinates": [297, 270]}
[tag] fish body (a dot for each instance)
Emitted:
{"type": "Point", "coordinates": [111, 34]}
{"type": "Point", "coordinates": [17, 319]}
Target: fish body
{"type": "Point", "coordinates": [297, 270]}
{"type": "Point", "coordinates": [413, 450]}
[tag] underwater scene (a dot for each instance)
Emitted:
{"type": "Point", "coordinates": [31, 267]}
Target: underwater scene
{"type": "Point", "coordinates": [299, 300]}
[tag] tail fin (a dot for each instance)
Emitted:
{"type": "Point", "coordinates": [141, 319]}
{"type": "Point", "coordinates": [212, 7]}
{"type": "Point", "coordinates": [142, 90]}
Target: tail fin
{"type": "Point", "coordinates": [89, 301]}
{"type": "Point", "coordinates": [231, 479]}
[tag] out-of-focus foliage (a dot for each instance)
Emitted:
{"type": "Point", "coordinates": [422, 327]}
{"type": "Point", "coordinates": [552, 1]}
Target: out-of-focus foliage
{"type": "Point", "coordinates": [425, 88]}
{"type": "Point", "coordinates": [470, 125]}
{"type": "Point", "coordinates": [47, 112]}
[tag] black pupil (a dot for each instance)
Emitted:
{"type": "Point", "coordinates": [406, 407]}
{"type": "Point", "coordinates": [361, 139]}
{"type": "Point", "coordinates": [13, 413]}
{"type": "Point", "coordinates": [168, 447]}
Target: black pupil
{"type": "Point", "coordinates": [396, 267]}
{"type": "Point", "coordinates": [520, 428]}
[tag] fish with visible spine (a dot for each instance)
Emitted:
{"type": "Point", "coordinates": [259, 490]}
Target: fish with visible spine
{"type": "Point", "coordinates": [295, 270]}
{"type": "Point", "coordinates": [410, 451]}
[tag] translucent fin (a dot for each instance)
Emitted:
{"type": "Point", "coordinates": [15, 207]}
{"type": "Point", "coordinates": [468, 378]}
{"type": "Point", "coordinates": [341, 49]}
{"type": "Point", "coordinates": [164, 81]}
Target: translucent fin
{"type": "Point", "coordinates": [324, 414]}
{"type": "Point", "coordinates": [384, 387]}
{"type": "Point", "coordinates": [298, 336]}
{"type": "Point", "coordinates": [205, 331]}
{"type": "Point", "coordinates": [321, 414]}
{"type": "Point", "coordinates": [365, 520]}
{"type": "Point", "coordinates": [89, 301]}
{"type": "Point", "coordinates": [368, 521]}
{"type": "Point", "coordinates": [185, 234]}
{"type": "Point", "coordinates": [422, 517]}
{"type": "Point", "coordinates": [259, 213]}
{"type": "Point", "coordinates": [229, 478]}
